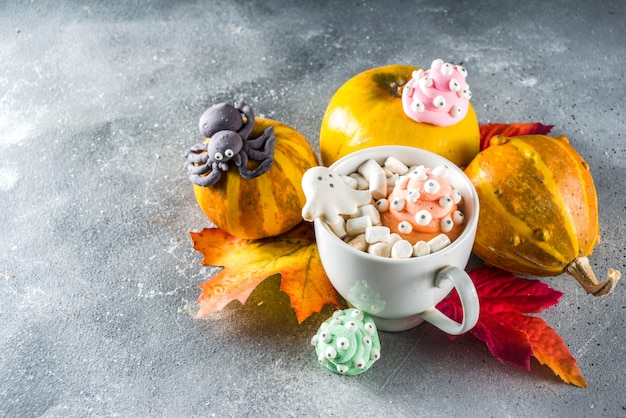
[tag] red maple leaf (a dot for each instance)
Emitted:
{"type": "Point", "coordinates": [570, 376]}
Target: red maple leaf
{"type": "Point", "coordinates": [489, 130]}
{"type": "Point", "coordinates": [511, 335]}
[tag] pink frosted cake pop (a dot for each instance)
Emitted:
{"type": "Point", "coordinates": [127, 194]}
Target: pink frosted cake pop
{"type": "Point", "coordinates": [439, 96]}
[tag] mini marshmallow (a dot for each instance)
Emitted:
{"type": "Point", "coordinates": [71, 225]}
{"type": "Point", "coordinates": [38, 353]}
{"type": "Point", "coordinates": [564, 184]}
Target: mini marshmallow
{"type": "Point", "coordinates": [439, 242]}
{"type": "Point", "coordinates": [405, 227]}
{"type": "Point", "coordinates": [350, 181]}
{"type": "Point", "coordinates": [440, 170]}
{"type": "Point", "coordinates": [388, 172]}
{"type": "Point", "coordinates": [339, 228]}
{"type": "Point", "coordinates": [382, 205]}
{"type": "Point", "coordinates": [369, 167]}
{"type": "Point", "coordinates": [371, 211]}
{"type": "Point", "coordinates": [395, 166]}
{"type": "Point", "coordinates": [358, 242]}
{"type": "Point", "coordinates": [393, 238]}
{"type": "Point", "coordinates": [421, 248]}
{"type": "Point", "coordinates": [391, 180]}
{"type": "Point", "coordinates": [356, 226]}
{"type": "Point", "coordinates": [380, 249]}
{"type": "Point", "coordinates": [375, 234]}
{"type": "Point", "coordinates": [402, 249]}
{"type": "Point", "coordinates": [378, 184]}
{"type": "Point", "coordinates": [361, 182]}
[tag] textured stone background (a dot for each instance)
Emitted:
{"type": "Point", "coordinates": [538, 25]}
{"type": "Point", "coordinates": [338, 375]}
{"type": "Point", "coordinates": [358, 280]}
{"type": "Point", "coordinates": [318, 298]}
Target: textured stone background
{"type": "Point", "coordinates": [98, 278]}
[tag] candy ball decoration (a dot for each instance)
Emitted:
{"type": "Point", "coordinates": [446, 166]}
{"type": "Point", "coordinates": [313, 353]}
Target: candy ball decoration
{"type": "Point", "coordinates": [439, 96]}
{"type": "Point", "coordinates": [367, 111]}
{"type": "Point", "coordinates": [347, 343]}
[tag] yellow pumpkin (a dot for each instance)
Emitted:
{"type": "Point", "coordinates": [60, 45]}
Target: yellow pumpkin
{"type": "Point", "coordinates": [367, 111]}
{"type": "Point", "coordinates": [267, 205]}
{"type": "Point", "coordinates": [538, 209]}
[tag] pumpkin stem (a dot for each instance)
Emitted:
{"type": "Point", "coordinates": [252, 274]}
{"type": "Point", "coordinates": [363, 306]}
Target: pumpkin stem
{"type": "Point", "coordinates": [581, 270]}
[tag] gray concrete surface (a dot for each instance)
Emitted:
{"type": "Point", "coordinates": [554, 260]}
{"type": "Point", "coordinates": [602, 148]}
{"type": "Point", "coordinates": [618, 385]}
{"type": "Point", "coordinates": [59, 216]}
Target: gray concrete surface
{"type": "Point", "coordinates": [98, 278]}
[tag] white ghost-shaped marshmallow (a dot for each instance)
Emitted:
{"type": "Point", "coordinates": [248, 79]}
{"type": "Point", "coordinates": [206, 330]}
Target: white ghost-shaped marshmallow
{"type": "Point", "coordinates": [328, 197]}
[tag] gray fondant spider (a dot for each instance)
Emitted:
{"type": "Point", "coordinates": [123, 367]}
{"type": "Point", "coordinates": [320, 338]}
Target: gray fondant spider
{"type": "Point", "coordinates": [229, 142]}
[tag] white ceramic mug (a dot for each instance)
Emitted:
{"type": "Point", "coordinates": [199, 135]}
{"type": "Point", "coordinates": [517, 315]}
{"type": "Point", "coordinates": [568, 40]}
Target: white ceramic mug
{"type": "Point", "coordinates": [401, 293]}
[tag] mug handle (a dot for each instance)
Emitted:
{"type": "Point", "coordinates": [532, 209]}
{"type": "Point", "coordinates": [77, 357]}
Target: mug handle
{"type": "Point", "coordinates": [469, 302]}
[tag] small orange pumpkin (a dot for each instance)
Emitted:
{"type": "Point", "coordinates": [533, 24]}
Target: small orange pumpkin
{"type": "Point", "coordinates": [267, 205]}
{"type": "Point", "coordinates": [367, 111]}
{"type": "Point", "coordinates": [538, 209]}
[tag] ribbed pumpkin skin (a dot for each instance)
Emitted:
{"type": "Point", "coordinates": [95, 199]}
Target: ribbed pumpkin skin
{"type": "Point", "coordinates": [267, 205]}
{"type": "Point", "coordinates": [366, 111]}
{"type": "Point", "coordinates": [538, 205]}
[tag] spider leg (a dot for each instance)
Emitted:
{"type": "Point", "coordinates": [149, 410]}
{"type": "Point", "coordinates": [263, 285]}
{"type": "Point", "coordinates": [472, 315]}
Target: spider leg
{"type": "Point", "coordinates": [266, 153]}
{"type": "Point", "coordinates": [261, 169]}
{"type": "Point", "coordinates": [244, 108]}
{"type": "Point", "coordinates": [196, 149]}
{"type": "Point", "coordinates": [197, 169]}
{"type": "Point", "coordinates": [259, 142]}
{"type": "Point", "coordinates": [208, 180]}
{"type": "Point", "coordinates": [266, 157]}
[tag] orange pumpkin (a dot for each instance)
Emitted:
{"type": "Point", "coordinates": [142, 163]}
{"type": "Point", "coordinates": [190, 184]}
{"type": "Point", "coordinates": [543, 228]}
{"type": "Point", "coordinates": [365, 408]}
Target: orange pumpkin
{"type": "Point", "coordinates": [367, 111]}
{"type": "Point", "coordinates": [267, 205]}
{"type": "Point", "coordinates": [538, 209]}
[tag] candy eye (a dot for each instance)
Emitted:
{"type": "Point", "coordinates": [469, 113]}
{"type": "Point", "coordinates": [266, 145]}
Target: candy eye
{"type": "Point", "coordinates": [413, 195]}
{"type": "Point", "coordinates": [457, 217]}
{"type": "Point", "coordinates": [439, 102]}
{"type": "Point", "coordinates": [397, 204]}
{"type": "Point", "coordinates": [229, 153]}
{"type": "Point", "coordinates": [218, 156]}
{"type": "Point", "coordinates": [330, 352]}
{"type": "Point", "coordinates": [359, 363]}
{"type": "Point", "coordinates": [431, 186]}
{"type": "Point", "coordinates": [445, 202]}
{"type": "Point", "coordinates": [357, 314]}
{"type": "Point", "coordinates": [326, 336]}
{"type": "Point", "coordinates": [446, 224]}
{"type": "Point", "coordinates": [370, 328]}
{"type": "Point", "coordinates": [455, 85]}
{"type": "Point", "coordinates": [343, 343]}
{"type": "Point", "coordinates": [367, 341]}
{"type": "Point", "coordinates": [351, 325]}
{"type": "Point", "coordinates": [375, 355]}
{"type": "Point", "coordinates": [417, 106]}
{"type": "Point", "coordinates": [405, 227]}
{"type": "Point", "coordinates": [423, 217]}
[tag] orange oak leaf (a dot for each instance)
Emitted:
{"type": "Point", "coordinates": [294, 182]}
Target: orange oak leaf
{"type": "Point", "coordinates": [511, 335]}
{"type": "Point", "coordinates": [246, 263]}
{"type": "Point", "coordinates": [489, 130]}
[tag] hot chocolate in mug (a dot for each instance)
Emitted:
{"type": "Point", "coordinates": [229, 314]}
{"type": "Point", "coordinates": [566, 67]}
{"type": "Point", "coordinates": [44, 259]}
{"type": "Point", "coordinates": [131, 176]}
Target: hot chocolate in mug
{"type": "Point", "coordinates": [400, 294]}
